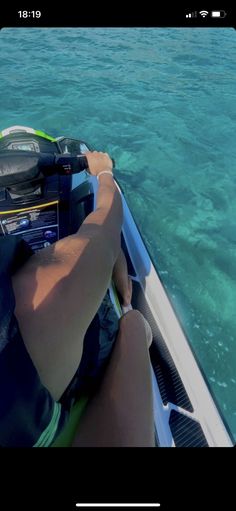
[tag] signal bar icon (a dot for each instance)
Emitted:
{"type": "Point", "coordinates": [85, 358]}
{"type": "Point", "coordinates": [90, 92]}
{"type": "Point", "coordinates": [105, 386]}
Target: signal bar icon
{"type": "Point", "coordinates": [192, 14]}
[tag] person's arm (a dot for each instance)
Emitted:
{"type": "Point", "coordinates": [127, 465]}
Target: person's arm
{"type": "Point", "coordinates": [106, 220]}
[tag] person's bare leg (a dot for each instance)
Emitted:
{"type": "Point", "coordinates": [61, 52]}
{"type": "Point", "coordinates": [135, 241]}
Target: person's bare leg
{"type": "Point", "coordinates": [122, 280]}
{"type": "Point", "coordinates": [50, 290]}
{"type": "Point", "coordinates": [49, 293]}
{"type": "Point", "coordinates": [121, 413]}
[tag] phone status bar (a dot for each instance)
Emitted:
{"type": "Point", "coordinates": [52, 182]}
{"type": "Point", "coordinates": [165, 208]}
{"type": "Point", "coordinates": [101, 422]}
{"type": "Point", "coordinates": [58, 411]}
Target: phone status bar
{"type": "Point", "coordinates": [79, 16]}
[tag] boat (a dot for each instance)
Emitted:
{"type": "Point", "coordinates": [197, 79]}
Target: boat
{"type": "Point", "coordinates": [48, 176]}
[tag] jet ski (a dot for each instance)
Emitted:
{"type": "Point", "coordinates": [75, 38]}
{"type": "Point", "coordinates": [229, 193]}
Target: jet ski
{"type": "Point", "coordinates": [46, 193]}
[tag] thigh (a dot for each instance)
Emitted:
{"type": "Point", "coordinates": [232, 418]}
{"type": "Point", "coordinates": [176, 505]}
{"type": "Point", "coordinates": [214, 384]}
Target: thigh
{"type": "Point", "coordinates": [55, 303]}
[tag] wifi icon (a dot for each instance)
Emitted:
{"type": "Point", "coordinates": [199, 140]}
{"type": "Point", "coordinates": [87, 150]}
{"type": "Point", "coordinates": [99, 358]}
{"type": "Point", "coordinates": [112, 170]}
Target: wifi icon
{"type": "Point", "coordinates": [203, 13]}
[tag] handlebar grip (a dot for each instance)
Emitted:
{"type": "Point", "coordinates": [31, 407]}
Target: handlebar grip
{"type": "Point", "coordinates": [83, 162]}
{"type": "Point", "coordinates": [64, 164]}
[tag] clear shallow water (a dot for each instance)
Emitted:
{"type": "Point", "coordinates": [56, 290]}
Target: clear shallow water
{"type": "Point", "coordinates": [163, 103]}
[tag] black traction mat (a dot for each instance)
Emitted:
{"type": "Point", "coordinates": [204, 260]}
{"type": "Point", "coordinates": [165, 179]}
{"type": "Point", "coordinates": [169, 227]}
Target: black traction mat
{"type": "Point", "coordinates": [170, 384]}
{"type": "Point", "coordinates": [186, 431]}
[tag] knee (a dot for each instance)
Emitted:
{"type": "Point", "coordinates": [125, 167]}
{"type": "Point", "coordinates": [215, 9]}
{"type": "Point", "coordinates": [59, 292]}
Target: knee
{"type": "Point", "coordinates": [134, 321]}
{"type": "Point", "coordinates": [131, 316]}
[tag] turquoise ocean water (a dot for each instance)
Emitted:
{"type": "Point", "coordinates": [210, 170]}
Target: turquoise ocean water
{"type": "Point", "coordinates": [163, 103]}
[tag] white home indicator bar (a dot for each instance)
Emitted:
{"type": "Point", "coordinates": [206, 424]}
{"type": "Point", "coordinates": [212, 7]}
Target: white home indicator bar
{"type": "Point", "coordinates": [119, 505]}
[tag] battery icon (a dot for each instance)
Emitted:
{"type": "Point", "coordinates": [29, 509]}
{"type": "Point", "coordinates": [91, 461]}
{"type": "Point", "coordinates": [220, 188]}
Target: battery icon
{"type": "Point", "coordinates": [218, 14]}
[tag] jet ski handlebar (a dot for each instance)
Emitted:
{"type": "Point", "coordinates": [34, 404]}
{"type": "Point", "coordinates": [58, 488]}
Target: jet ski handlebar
{"type": "Point", "coordinates": [20, 166]}
{"type": "Point", "coordinates": [68, 164]}
{"type": "Point", "coordinates": [63, 164]}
